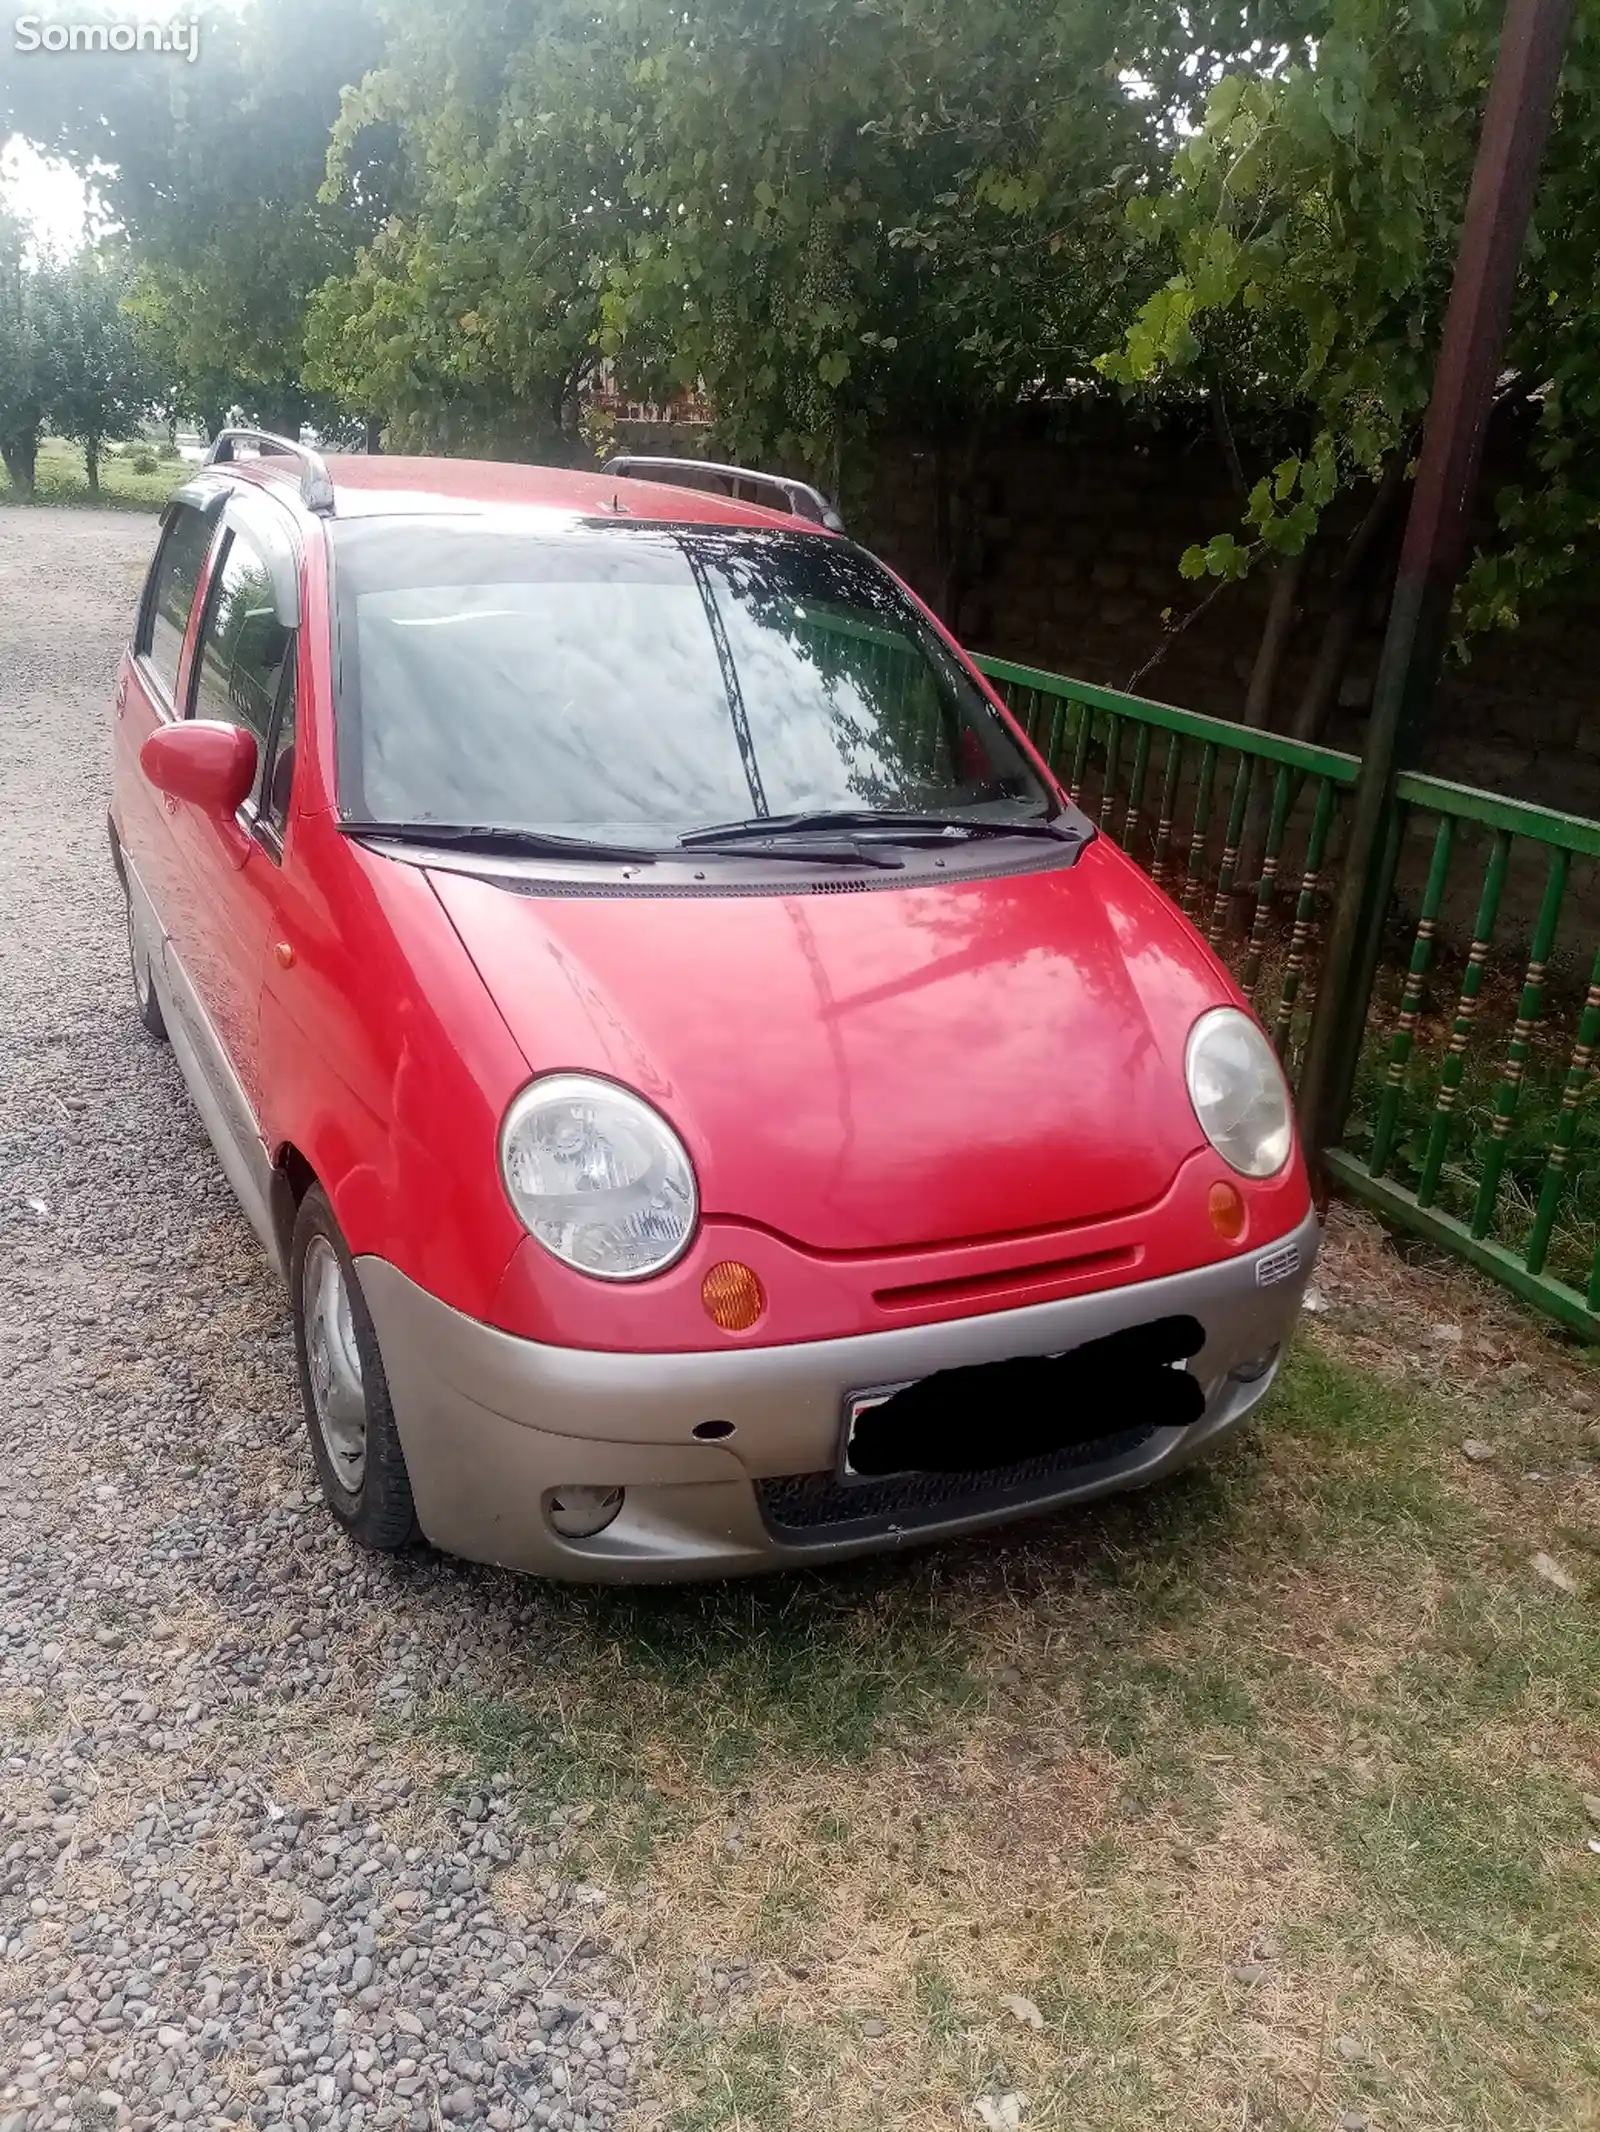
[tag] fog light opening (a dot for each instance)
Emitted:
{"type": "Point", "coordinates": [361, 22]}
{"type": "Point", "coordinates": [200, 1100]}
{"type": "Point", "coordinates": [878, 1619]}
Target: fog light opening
{"type": "Point", "coordinates": [712, 1432]}
{"type": "Point", "coordinates": [579, 1513]}
{"type": "Point", "coordinates": [1255, 1369]}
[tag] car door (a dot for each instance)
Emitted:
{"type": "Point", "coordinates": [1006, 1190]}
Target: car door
{"type": "Point", "coordinates": [149, 695]}
{"type": "Point", "coordinates": [241, 670]}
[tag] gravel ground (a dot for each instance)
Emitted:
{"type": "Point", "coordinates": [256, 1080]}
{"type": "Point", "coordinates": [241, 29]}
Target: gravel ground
{"type": "Point", "coordinates": [232, 1886]}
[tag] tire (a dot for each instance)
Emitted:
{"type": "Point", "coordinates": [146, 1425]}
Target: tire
{"type": "Point", "coordinates": [343, 1390]}
{"type": "Point", "coordinates": [145, 1003]}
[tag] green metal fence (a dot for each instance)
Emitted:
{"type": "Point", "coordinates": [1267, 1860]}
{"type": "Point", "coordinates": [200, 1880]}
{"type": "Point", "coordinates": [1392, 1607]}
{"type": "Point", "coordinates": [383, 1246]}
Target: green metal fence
{"type": "Point", "coordinates": [1473, 1119]}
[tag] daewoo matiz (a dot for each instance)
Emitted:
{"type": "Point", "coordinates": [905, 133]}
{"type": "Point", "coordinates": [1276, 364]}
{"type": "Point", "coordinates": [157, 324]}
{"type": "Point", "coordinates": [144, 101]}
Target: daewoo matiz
{"type": "Point", "coordinates": [715, 1100]}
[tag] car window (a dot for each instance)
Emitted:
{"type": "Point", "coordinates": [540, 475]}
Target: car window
{"type": "Point", "coordinates": [277, 782]}
{"type": "Point", "coordinates": [243, 646]}
{"type": "Point", "coordinates": [647, 680]}
{"type": "Point", "coordinates": [174, 576]}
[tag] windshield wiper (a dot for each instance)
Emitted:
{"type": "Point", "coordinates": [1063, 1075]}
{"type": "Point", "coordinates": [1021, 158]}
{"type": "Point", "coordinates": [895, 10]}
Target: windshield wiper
{"type": "Point", "coordinates": [832, 851]}
{"type": "Point", "coordinates": [484, 837]}
{"type": "Point", "coordinates": [905, 828]}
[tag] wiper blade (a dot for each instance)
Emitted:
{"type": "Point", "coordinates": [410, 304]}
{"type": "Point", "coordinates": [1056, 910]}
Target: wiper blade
{"type": "Point", "coordinates": [830, 851]}
{"type": "Point", "coordinates": [485, 837]}
{"type": "Point", "coordinates": [907, 828]}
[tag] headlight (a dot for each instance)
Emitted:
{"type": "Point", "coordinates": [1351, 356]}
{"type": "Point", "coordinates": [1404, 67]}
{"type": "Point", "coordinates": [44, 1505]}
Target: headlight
{"type": "Point", "coordinates": [1239, 1094]}
{"type": "Point", "coordinates": [597, 1177]}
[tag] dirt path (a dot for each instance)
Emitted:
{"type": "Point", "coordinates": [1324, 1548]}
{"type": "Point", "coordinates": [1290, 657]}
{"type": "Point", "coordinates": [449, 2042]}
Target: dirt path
{"type": "Point", "coordinates": [230, 1886]}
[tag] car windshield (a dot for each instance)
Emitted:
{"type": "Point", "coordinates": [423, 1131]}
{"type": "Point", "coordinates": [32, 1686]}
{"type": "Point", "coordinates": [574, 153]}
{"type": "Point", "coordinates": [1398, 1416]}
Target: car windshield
{"type": "Point", "coordinates": [640, 682]}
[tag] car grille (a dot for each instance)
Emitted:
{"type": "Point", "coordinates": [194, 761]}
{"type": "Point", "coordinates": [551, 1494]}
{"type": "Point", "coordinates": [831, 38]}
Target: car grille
{"type": "Point", "coordinates": [816, 1505]}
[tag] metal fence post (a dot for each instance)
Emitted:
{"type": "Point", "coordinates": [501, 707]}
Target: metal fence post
{"type": "Point", "coordinates": [1516, 122]}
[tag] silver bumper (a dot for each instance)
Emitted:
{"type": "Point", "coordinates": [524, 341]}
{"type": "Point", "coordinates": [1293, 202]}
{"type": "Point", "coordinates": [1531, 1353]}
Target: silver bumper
{"type": "Point", "coordinates": [491, 1424]}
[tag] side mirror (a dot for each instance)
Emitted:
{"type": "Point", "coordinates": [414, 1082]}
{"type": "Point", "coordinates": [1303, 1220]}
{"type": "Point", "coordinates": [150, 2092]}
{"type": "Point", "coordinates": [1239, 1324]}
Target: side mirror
{"type": "Point", "coordinates": [202, 760]}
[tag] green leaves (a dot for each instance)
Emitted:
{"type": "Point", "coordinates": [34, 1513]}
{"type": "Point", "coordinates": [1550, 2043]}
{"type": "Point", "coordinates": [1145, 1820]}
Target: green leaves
{"type": "Point", "coordinates": [213, 174]}
{"type": "Point", "coordinates": [1160, 338]}
{"type": "Point", "coordinates": [1221, 556]}
{"type": "Point", "coordinates": [836, 218]}
{"type": "Point", "coordinates": [1304, 236]}
{"type": "Point", "coordinates": [71, 355]}
{"type": "Point", "coordinates": [827, 217]}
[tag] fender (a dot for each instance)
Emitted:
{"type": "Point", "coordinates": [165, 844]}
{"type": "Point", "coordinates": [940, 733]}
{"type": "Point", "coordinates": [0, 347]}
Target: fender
{"type": "Point", "coordinates": [385, 1065]}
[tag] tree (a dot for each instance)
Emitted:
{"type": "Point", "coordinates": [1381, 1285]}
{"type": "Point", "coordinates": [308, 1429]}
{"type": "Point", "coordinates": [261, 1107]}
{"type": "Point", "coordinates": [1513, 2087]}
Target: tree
{"type": "Point", "coordinates": [471, 320]}
{"type": "Point", "coordinates": [27, 365]}
{"type": "Point", "coordinates": [213, 171]}
{"type": "Point", "coordinates": [830, 215]}
{"type": "Point", "coordinates": [104, 384]}
{"type": "Point", "coordinates": [1306, 236]}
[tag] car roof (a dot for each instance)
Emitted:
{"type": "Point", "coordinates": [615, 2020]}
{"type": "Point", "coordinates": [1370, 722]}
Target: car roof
{"type": "Point", "coordinates": [393, 485]}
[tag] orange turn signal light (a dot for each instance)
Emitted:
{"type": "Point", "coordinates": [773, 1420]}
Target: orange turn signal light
{"type": "Point", "coordinates": [1228, 1212]}
{"type": "Point", "coordinates": [733, 1296]}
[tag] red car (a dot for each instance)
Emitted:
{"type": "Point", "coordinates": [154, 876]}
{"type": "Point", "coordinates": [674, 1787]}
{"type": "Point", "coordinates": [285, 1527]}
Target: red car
{"type": "Point", "coordinates": [715, 1100]}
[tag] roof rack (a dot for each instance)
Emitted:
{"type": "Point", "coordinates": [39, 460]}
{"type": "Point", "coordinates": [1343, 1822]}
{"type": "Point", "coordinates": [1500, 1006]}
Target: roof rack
{"type": "Point", "coordinates": [316, 483]}
{"type": "Point", "coordinates": [798, 496]}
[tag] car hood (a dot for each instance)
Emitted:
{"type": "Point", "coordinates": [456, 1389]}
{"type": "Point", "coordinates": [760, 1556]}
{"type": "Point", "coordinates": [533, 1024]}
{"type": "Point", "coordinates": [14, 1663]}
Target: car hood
{"type": "Point", "coordinates": [861, 1071]}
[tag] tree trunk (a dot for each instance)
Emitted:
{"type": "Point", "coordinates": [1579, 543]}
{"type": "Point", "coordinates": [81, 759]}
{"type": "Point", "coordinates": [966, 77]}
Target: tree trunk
{"type": "Point", "coordinates": [21, 455]}
{"type": "Point", "coordinates": [91, 463]}
{"type": "Point", "coordinates": [1327, 668]}
{"type": "Point", "coordinates": [1283, 612]}
{"type": "Point", "coordinates": [1358, 571]}
{"type": "Point", "coordinates": [374, 433]}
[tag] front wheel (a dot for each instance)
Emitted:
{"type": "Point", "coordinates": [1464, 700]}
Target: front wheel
{"type": "Point", "coordinates": [345, 1394]}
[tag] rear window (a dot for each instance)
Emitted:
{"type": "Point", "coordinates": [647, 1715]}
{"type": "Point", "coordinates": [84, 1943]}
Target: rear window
{"type": "Point", "coordinates": [645, 681]}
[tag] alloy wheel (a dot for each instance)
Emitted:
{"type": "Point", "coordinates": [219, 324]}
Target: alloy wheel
{"type": "Point", "coordinates": [333, 1360]}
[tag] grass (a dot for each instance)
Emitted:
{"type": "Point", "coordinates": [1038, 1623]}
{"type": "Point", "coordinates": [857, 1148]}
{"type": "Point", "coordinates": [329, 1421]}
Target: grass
{"type": "Point", "coordinates": [1266, 1790]}
{"type": "Point", "coordinates": [60, 478]}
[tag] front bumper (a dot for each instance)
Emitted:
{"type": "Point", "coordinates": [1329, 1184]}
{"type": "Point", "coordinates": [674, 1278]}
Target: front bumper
{"type": "Point", "coordinates": [492, 1423]}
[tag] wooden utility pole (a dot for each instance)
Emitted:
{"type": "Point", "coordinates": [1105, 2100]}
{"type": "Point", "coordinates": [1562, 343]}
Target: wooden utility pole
{"type": "Point", "coordinates": [1516, 122]}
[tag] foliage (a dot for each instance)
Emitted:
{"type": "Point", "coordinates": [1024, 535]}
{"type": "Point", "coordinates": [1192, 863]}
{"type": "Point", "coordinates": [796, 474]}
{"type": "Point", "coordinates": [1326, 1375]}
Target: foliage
{"type": "Point", "coordinates": [824, 214]}
{"type": "Point", "coordinates": [852, 210]}
{"type": "Point", "coordinates": [212, 171]}
{"type": "Point", "coordinates": [27, 368]}
{"type": "Point", "coordinates": [105, 383]}
{"type": "Point", "coordinates": [471, 319]}
{"type": "Point", "coordinates": [61, 478]}
{"type": "Point", "coordinates": [841, 216]}
{"type": "Point", "coordinates": [71, 356]}
{"type": "Point", "coordinates": [1307, 234]}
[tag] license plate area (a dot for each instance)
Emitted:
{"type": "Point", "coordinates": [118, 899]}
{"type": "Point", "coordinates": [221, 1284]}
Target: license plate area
{"type": "Point", "coordinates": [994, 1414]}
